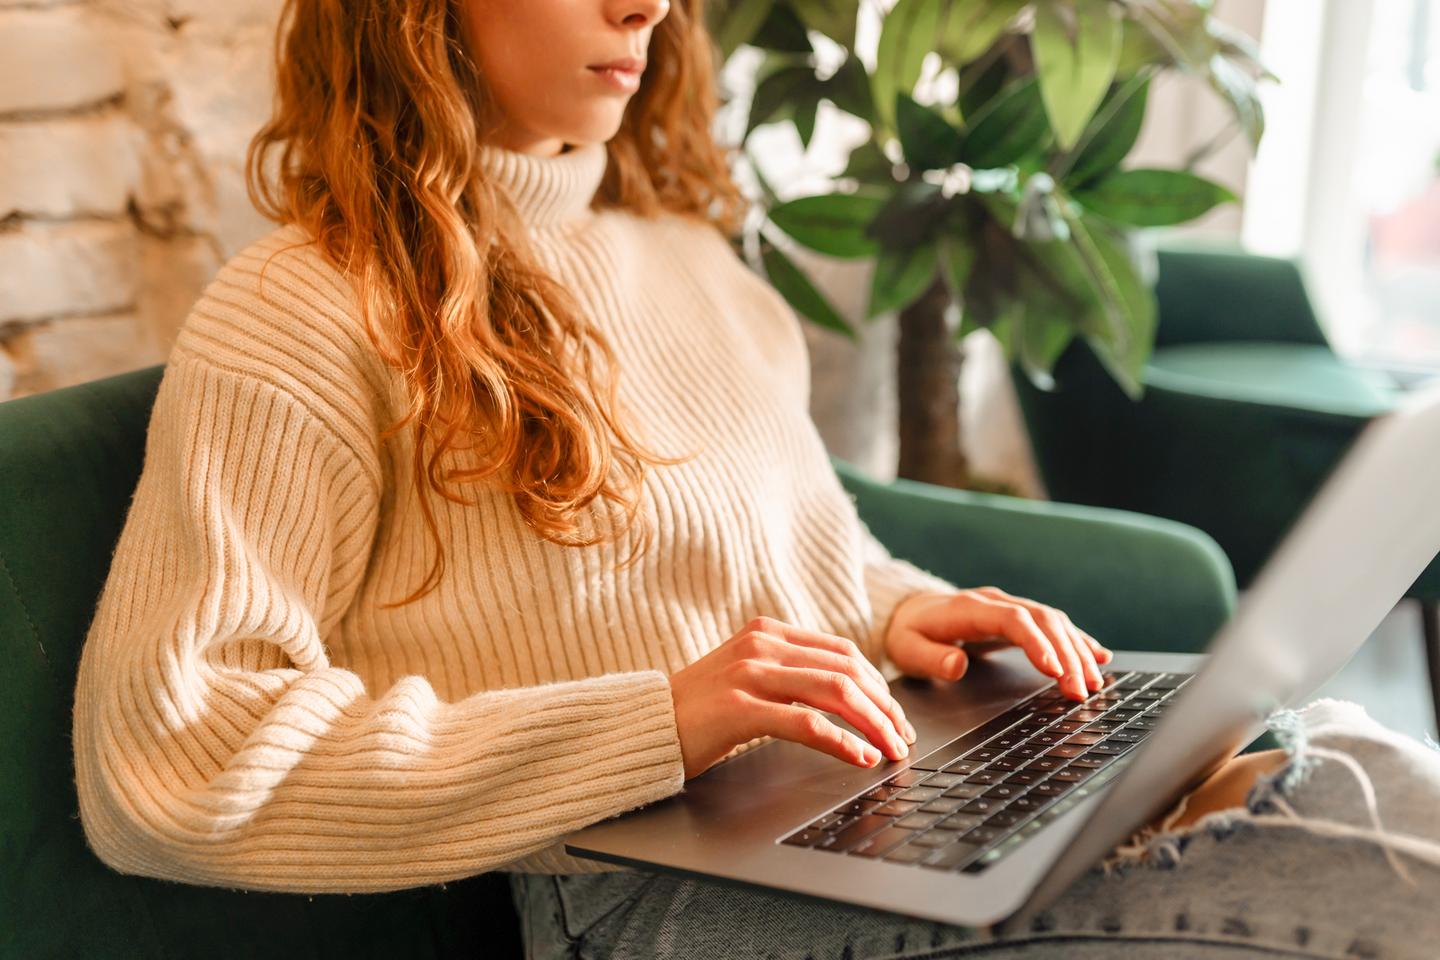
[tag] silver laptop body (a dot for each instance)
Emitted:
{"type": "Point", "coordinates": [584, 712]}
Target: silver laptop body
{"type": "Point", "coordinates": [1359, 545]}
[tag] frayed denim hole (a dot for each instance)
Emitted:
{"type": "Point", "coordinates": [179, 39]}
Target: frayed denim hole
{"type": "Point", "coordinates": [1290, 730]}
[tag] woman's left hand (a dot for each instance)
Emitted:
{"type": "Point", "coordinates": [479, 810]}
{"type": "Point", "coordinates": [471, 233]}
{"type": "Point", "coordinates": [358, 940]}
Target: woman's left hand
{"type": "Point", "coordinates": [927, 631]}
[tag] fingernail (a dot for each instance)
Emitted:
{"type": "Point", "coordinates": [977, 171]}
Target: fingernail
{"type": "Point", "coordinates": [952, 663]}
{"type": "Point", "coordinates": [910, 731]}
{"type": "Point", "coordinates": [1052, 664]}
{"type": "Point", "coordinates": [872, 756]}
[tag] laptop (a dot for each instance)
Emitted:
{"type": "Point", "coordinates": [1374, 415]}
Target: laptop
{"type": "Point", "coordinates": [1011, 791]}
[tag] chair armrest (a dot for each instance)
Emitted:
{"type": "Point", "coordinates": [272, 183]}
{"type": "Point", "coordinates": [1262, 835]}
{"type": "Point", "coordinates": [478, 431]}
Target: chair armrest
{"type": "Point", "coordinates": [1132, 581]}
{"type": "Point", "coordinates": [1209, 292]}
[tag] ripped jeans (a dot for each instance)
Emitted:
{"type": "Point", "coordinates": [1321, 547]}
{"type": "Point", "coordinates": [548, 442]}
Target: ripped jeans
{"type": "Point", "coordinates": [1334, 854]}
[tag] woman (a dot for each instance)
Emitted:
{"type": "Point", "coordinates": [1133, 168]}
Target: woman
{"type": "Point", "coordinates": [500, 340]}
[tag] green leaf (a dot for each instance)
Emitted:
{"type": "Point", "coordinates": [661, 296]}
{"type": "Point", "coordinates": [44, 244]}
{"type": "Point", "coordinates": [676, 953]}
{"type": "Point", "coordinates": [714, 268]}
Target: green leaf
{"type": "Point", "coordinates": [849, 89]}
{"type": "Point", "coordinates": [929, 142]}
{"type": "Point", "coordinates": [1009, 127]}
{"type": "Point", "coordinates": [1124, 340]}
{"type": "Point", "coordinates": [1179, 28]}
{"type": "Point", "coordinates": [868, 162]}
{"type": "Point", "coordinates": [1076, 49]}
{"type": "Point", "coordinates": [804, 114]}
{"type": "Point", "coordinates": [833, 18]}
{"type": "Point", "coordinates": [970, 27]}
{"type": "Point", "coordinates": [957, 257]}
{"type": "Point", "coordinates": [1114, 140]}
{"type": "Point", "coordinates": [787, 278]}
{"type": "Point", "coordinates": [1238, 46]}
{"type": "Point", "coordinates": [738, 23]}
{"type": "Point", "coordinates": [783, 93]}
{"type": "Point", "coordinates": [900, 277]}
{"type": "Point", "coordinates": [832, 223]}
{"type": "Point", "coordinates": [1152, 198]}
{"type": "Point", "coordinates": [980, 83]}
{"type": "Point", "coordinates": [1139, 49]}
{"type": "Point", "coordinates": [1238, 90]}
{"type": "Point", "coordinates": [783, 32]}
{"type": "Point", "coordinates": [910, 216]}
{"type": "Point", "coordinates": [1044, 333]}
{"type": "Point", "coordinates": [906, 36]}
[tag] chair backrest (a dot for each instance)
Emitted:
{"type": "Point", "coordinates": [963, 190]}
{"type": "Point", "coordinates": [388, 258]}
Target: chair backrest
{"type": "Point", "coordinates": [69, 463]}
{"type": "Point", "coordinates": [1210, 292]}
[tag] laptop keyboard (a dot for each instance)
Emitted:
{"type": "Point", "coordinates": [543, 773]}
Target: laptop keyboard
{"type": "Point", "coordinates": [974, 800]}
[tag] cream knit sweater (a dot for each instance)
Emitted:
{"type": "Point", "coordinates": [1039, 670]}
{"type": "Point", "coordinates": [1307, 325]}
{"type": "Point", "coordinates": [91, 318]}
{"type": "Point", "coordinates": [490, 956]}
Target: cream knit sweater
{"type": "Point", "coordinates": [248, 716]}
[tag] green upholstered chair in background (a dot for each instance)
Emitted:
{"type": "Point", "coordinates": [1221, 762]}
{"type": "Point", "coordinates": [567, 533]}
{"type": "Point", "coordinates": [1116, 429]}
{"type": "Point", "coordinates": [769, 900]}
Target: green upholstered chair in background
{"type": "Point", "coordinates": [1246, 410]}
{"type": "Point", "coordinates": [69, 461]}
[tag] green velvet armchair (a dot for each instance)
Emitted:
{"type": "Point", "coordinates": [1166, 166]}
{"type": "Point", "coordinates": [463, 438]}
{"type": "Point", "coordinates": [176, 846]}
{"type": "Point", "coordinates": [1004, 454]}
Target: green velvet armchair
{"type": "Point", "coordinates": [69, 461]}
{"type": "Point", "coordinates": [1246, 410]}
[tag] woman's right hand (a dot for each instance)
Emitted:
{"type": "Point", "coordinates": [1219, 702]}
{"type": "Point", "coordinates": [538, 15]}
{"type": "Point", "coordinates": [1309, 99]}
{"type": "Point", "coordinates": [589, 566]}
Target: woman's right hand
{"type": "Point", "coordinates": [746, 687]}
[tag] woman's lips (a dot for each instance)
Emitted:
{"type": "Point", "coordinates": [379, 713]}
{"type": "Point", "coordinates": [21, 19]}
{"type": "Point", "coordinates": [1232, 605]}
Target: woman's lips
{"type": "Point", "coordinates": [619, 79]}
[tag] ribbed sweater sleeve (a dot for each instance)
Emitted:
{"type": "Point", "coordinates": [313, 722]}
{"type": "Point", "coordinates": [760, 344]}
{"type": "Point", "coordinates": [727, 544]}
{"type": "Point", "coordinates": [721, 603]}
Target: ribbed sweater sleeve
{"type": "Point", "coordinates": [217, 744]}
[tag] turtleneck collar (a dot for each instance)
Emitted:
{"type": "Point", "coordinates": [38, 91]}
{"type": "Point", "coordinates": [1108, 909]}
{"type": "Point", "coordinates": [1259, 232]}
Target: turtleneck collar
{"type": "Point", "coordinates": [547, 191]}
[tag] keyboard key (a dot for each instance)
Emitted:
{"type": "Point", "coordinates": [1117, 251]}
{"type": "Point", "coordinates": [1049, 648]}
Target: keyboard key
{"type": "Point", "coordinates": [1027, 751]}
{"type": "Point", "coordinates": [1071, 774]}
{"type": "Point", "coordinates": [805, 838]}
{"type": "Point", "coordinates": [986, 776]}
{"type": "Point", "coordinates": [1028, 804]}
{"type": "Point", "coordinates": [882, 843]}
{"type": "Point", "coordinates": [1026, 777]}
{"type": "Point", "coordinates": [1087, 715]}
{"type": "Point", "coordinates": [1049, 738]}
{"type": "Point", "coordinates": [983, 834]}
{"type": "Point", "coordinates": [968, 791]}
{"type": "Point", "coordinates": [921, 794]}
{"type": "Point", "coordinates": [1049, 789]}
{"type": "Point", "coordinates": [919, 820]}
{"type": "Point", "coordinates": [942, 780]}
{"type": "Point", "coordinates": [907, 853]}
{"type": "Point", "coordinates": [906, 778]}
{"type": "Point", "coordinates": [856, 807]}
{"type": "Point", "coordinates": [1045, 764]}
{"type": "Point", "coordinates": [960, 821]}
{"type": "Point", "coordinates": [1007, 818]}
{"type": "Point", "coordinates": [942, 758]}
{"type": "Point", "coordinates": [1127, 736]}
{"type": "Point", "coordinates": [1146, 724]}
{"type": "Point", "coordinates": [982, 754]}
{"type": "Point", "coordinates": [1065, 726]}
{"type": "Point", "coordinates": [982, 805]}
{"type": "Point", "coordinates": [943, 805]}
{"type": "Point", "coordinates": [1089, 763]}
{"type": "Point", "coordinates": [896, 808]}
{"type": "Point", "coordinates": [1004, 791]}
{"type": "Point", "coordinates": [1005, 764]}
{"type": "Point", "coordinates": [948, 858]}
{"type": "Point", "coordinates": [827, 821]}
{"type": "Point", "coordinates": [1085, 739]}
{"type": "Point", "coordinates": [1108, 749]}
{"type": "Point", "coordinates": [1066, 752]}
{"type": "Point", "coordinates": [962, 766]}
{"type": "Point", "coordinates": [1170, 681]}
{"type": "Point", "coordinates": [858, 830]}
{"type": "Point", "coordinates": [934, 838]}
{"type": "Point", "coordinates": [1103, 726]}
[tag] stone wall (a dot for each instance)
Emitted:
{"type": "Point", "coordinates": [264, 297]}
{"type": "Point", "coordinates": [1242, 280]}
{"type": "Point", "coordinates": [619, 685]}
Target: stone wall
{"type": "Point", "coordinates": [123, 125]}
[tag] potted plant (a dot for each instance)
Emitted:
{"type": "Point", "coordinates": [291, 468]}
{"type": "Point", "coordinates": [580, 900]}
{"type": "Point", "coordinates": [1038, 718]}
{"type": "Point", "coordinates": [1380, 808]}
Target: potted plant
{"type": "Point", "coordinates": [1003, 204]}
